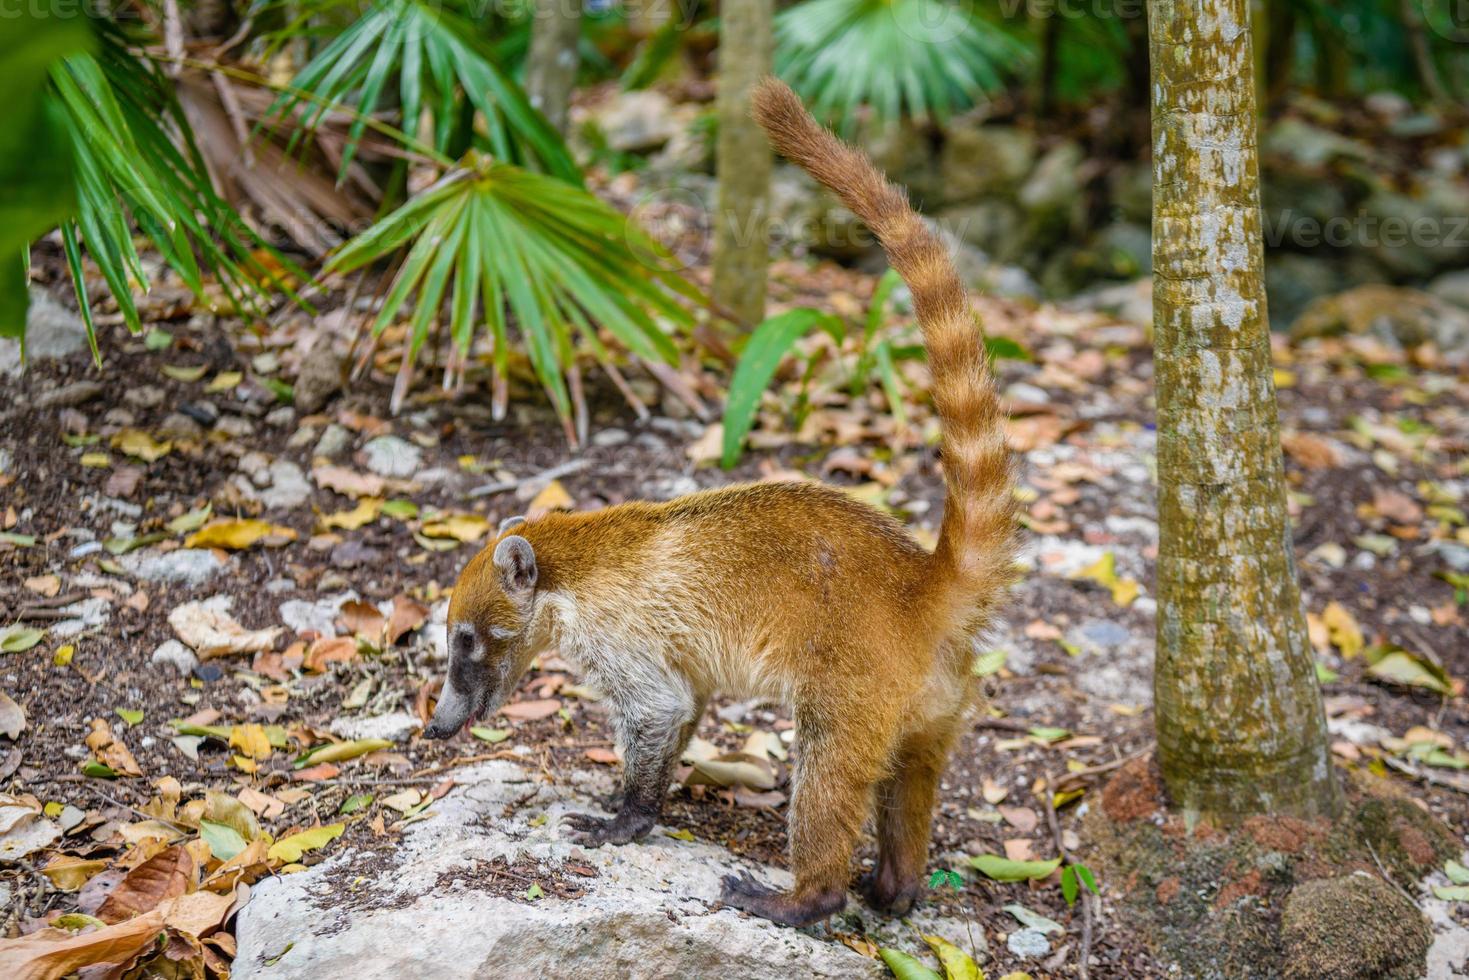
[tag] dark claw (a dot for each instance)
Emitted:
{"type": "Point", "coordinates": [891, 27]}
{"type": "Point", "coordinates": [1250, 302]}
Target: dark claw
{"type": "Point", "coordinates": [590, 831]}
{"type": "Point", "coordinates": [744, 887]}
{"type": "Point", "coordinates": [742, 891]}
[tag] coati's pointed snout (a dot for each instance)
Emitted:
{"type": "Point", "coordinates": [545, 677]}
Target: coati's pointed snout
{"type": "Point", "coordinates": [450, 714]}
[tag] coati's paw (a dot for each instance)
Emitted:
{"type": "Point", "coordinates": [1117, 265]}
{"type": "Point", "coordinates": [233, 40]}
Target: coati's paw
{"type": "Point", "coordinates": [590, 831]}
{"type": "Point", "coordinates": [744, 892]}
{"type": "Point", "coordinates": [886, 896]}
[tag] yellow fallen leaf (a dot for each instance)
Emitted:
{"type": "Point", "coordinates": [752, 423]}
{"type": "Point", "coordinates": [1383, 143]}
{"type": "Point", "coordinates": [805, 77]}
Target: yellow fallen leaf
{"type": "Point", "coordinates": [289, 849]}
{"type": "Point", "coordinates": [552, 497]}
{"type": "Point", "coordinates": [140, 445]}
{"type": "Point", "coordinates": [1284, 378]}
{"type": "Point", "coordinates": [224, 381]}
{"type": "Point", "coordinates": [251, 740]}
{"type": "Point", "coordinates": [341, 751]}
{"type": "Point", "coordinates": [1342, 629]}
{"type": "Point", "coordinates": [70, 873]}
{"type": "Point", "coordinates": [461, 527]}
{"type": "Point", "coordinates": [235, 535]}
{"type": "Point", "coordinates": [1124, 591]}
{"type": "Point", "coordinates": [96, 461]}
{"type": "Point", "coordinates": [365, 512]}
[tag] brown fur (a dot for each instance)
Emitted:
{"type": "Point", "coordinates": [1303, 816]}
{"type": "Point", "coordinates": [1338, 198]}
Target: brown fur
{"type": "Point", "coordinates": [786, 591]}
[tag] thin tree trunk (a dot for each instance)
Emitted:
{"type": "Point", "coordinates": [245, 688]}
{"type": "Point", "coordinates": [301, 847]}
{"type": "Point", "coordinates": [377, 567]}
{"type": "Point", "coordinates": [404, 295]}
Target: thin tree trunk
{"type": "Point", "coordinates": [742, 161]}
{"type": "Point", "coordinates": [551, 63]}
{"type": "Point", "coordinates": [1240, 724]}
{"type": "Point", "coordinates": [1428, 75]}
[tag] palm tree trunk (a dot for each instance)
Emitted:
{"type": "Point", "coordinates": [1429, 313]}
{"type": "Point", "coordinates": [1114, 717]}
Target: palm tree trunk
{"type": "Point", "coordinates": [1240, 724]}
{"type": "Point", "coordinates": [742, 161]}
{"type": "Point", "coordinates": [551, 63]}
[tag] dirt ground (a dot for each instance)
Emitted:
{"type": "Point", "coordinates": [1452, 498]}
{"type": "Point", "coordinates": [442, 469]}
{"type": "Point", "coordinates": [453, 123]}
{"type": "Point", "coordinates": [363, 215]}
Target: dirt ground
{"type": "Point", "coordinates": [1376, 458]}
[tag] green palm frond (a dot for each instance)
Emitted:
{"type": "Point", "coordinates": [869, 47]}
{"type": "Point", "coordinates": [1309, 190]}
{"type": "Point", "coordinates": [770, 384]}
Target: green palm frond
{"type": "Point", "coordinates": [495, 240]}
{"type": "Point", "coordinates": [437, 60]}
{"type": "Point", "coordinates": [914, 57]}
{"type": "Point", "coordinates": [136, 164]}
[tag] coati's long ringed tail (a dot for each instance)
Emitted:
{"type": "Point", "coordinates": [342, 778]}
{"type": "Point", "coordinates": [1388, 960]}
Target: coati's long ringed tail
{"type": "Point", "coordinates": [973, 557]}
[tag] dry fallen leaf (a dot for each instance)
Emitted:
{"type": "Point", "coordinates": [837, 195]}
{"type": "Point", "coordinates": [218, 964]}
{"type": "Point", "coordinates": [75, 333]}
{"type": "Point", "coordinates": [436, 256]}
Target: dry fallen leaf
{"type": "Point", "coordinates": [407, 616]}
{"type": "Point", "coordinates": [210, 632]}
{"type": "Point", "coordinates": [467, 528]}
{"type": "Point", "coordinates": [12, 717]}
{"type": "Point", "coordinates": [1310, 451]}
{"type": "Point", "coordinates": [50, 953]}
{"type": "Point", "coordinates": [141, 445]}
{"type": "Point", "coordinates": [365, 512]}
{"type": "Point", "coordinates": [168, 874]}
{"type": "Point", "coordinates": [110, 751]}
{"type": "Point", "coordinates": [348, 482]}
{"type": "Point", "coordinates": [552, 497]}
{"type": "Point", "coordinates": [531, 710]}
{"type": "Point", "coordinates": [237, 535]}
{"type": "Point", "coordinates": [46, 585]}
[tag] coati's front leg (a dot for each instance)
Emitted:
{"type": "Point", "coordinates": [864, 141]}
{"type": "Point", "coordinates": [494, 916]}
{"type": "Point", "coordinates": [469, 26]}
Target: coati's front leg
{"type": "Point", "coordinates": [653, 738]}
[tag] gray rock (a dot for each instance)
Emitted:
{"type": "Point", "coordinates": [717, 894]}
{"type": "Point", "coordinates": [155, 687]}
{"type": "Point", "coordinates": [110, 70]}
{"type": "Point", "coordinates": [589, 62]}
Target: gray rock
{"type": "Point", "coordinates": [172, 653]}
{"type": "Point", "coordinates": [319, 378]}
{"type": "Point", "coordinates": [1296, 140]}
{"type": "Point", "coordinates": [52, 331]}
{"type": "Point", "coordinates": [185, 566]}
{"type": "Point", "coordinates": [177, 425]}
{"type": "Point", "coordinates": [392, 456]}
{"type": "Point", "coordinates": [638, 121]}
{"type": "Point", "coordinates": [70, 396]}
{"type": "Point", "coordinates": [288, 486]}
{"type": "Point", "coordinates": [281, 417]}
{"type": "Point", "coordinates": [1294, 281]}
{"type": "Point", "coordinates": [1051, 195]}
{"type": "Point", "coordinates": [145, 396]}
{"type": "Point", "coordinates": [302, 437]}
{"type": "Point", "coordinates": [1130, 302]}
{"type": "Point", "coordinates": [1125, 250]}
{"type": "Point", "coordinates": [1028, 944]}
{"type": "Point", "coordinates": [996, 227]}
{"type": "Point", "coordinates": [83, 615]}
{"type": "Point", "coordinates": [395, 726]}
{"type": "Point", "coordinates": [1452, 287]}
{"type": "Point", "coordinates": [235, 426]}
{"type": "Point", "coordinates": [977, 160]}
{"type": "Point", "coordinates": [1132, 192]}
{"type": "Point", "coordinates": [335, 440]}
{"type": "Point", "coordinates": [1104, 633]}
{"type": "Point", "coordinates": [320, 616]}
{"type": "Point", "coordinates": [803, 213]}
{"type": "Point", "coordinates": [425, 911]}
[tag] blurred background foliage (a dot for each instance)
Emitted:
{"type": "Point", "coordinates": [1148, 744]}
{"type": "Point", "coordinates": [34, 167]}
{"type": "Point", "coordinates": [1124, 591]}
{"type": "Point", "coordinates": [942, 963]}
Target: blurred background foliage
{"type": "Point", "coordinates": [254, 146]}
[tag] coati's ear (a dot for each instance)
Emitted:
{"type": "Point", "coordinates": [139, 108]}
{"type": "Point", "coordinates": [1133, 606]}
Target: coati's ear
{"type": "Point", "coordinates": [510, 522]}
{"type": "Point", "coordinates": [515, 560]}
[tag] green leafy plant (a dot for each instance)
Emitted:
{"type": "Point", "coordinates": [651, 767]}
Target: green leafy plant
{"type": "Point", "coordinates": [135, 164]}
{"type": "Point", "coordinates": [522, 246]}
{"type": "Point", "coordinates": [768, 345]}
{"type": "Point", "coordinates": [946, 878]}
{"type": "Point", "coordinates": [438, 61]}
{"type": "Point", "coordinates": [36, 190]}
{"type": "Point", "coordinates": [1071, 875]}
{"type": "Point", "coordinates": [896, 57]}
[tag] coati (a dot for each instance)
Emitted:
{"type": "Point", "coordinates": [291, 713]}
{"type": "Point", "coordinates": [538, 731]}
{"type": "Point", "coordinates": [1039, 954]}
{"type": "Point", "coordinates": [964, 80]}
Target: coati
{"type": "Point", "coordinates": [788, 591]}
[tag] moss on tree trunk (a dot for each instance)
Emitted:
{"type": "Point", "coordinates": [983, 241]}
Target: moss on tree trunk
{"type": "Point", "coordinates": [742, 161]}
{"type": "Point", "coordinates": [1240, 724]}
{"type": "Point", "coordinates": [551, 63]}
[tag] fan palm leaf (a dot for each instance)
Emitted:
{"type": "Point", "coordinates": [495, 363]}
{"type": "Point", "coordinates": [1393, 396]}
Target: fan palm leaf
{"type": "Point", "coordinates": [525, 249]}
{"type": "Point", "coordinates": [896, 57]}
{"type": "Point", "coordinates": [434, 56]}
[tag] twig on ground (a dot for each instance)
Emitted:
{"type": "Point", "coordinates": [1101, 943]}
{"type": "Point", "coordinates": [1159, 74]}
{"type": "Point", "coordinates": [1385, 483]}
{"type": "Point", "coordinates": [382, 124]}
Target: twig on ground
{"type": "Point", "coordinates": [1082, 969]}
{"type": "Point", "coordinates": [1071, 779]}
{"type": "Point", "coordinates": [1387, 877]}
{"type": "Point", "coordinates": [555, 472]}
{"type": "Point", "coordinates": [1428, 777]}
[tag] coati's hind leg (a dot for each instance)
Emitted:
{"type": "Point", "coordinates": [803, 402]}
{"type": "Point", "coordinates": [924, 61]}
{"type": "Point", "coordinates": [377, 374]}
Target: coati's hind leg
{"type": "Point", "coordinates": [839, 758]}
{"type": "Point", "coordinates": [905, 802]}
{"type": "Point", "coordinates": [653, 734]}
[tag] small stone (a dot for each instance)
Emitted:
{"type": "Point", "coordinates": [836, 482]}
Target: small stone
{"type": "Point", "coordinates": [288, 486]}
{"type": "Point", "coordinates": [280, 417]}
{"type": "Point", "coordinates": [52, 331]}
{"type": "Point", "coordinates": [319, 378]}
{"type": "Point", "coordinates": [606, 438]}
{"type": "Point", "coordinates": [185, 566]}
{"type": "Point", "coordinates": [205, 413]}
{"type": "Point", "coordinates": [69, 396]}
{"type": "Point", "coordinates": [82, 615]}
{"type": "Point", "coordinates": [1105, 633]}
{"type": "Point", "coordinates": [177, 425]}
{"type": "Point", "coordinates": [1028, 944]}
{"type": "Point", "coordinates": [146, 396]}
{"type": "Point", "coordinates": [392, 456]}
{"type": "Point", "coordinates": [395, 726]}
{"type": "Point", "coordinates": [209, 672]}
{"type": "Point", "coordinates": [172, 653]}
{"type": "Point", "coordinates": [302, 437]}
{"type": "Point", "coordinates": [266, 363]}
{"type": "Point", "coordinates": [235, 426]}
{"type": "Point", "coordinates": [335, 440]}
